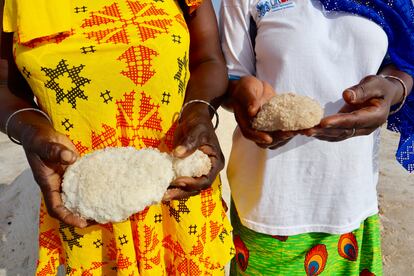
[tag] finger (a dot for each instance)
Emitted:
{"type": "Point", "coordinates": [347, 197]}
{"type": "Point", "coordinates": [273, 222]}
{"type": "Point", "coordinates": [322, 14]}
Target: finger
{"type": "Point", "coordinates": [57, 153]}
{"type": "Point", "coordinates": [371, 116]}
{"type": "Point", "coordinates": [367, 89]}
{"type": "Point", "coordinates": [191, 183]}
{"type": "Point", "coordinates": [283, 135]}
{"type": "Point", "coordinates": [190, 142]}
{"type": "Point", "coordinates": [249, 98]}
{"type": "Point", "coordinates": [335, 135]}
{"type": "Point", "coordinates": [176, 194]}
{"type": "Point", "coordinates": [280, 144]}
{"type": "Point", "coordinates": [248, 132]}
{"type": "Point", "coordinates": [57, 210]}
{"type": "Point", "coordinates": [216, 158]}
{"type": "Point", "coordinates": [280, 138]}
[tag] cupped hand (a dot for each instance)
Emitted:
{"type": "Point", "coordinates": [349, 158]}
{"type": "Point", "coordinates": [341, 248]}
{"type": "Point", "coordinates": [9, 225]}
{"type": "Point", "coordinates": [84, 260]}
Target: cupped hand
{"type": "Point", "coordinates": [195, 131]}
{"type": "Point", "coordinates": [279, 139]}
{"type": "Point", "coordinates": [367, 106]}
{"type": "Point", "coordinates": [248, 95]}
{"type": "Point", "coordinates": [49, 153]}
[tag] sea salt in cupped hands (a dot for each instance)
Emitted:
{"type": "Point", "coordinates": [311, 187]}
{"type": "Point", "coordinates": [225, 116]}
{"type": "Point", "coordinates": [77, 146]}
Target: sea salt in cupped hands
{"type": "Point", "coordinates": [114, 183]}
{"type": "Point", "coordinates": [288, 112]}
{"type": "Point", "coordinates": [111, 184]}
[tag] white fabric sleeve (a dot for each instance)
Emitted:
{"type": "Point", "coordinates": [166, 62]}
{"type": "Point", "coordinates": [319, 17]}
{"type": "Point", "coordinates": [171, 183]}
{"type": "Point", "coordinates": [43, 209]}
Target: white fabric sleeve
{"type": "Point", "coordinates": [235, 38]}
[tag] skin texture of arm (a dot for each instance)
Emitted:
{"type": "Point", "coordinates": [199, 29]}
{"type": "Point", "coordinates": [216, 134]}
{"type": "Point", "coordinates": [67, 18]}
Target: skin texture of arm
{"type": "Point", "coordinates": [208, 82]}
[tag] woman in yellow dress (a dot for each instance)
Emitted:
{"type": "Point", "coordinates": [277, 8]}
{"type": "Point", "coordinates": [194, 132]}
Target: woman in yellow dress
{"type": "Point", "coordinates": [113, 74]}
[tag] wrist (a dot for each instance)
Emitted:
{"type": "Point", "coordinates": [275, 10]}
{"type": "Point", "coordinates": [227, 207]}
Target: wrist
{"type": "Point", "coordinates": [199, 109]}
{"type": "Point", "coordinates": [398, 99]}
{"type": "Point", "coordinates": [236, 86]}
{"type": "Point", "coordinates": [24, 122]}
{"type": "Point", "coordinates": [398, 95]}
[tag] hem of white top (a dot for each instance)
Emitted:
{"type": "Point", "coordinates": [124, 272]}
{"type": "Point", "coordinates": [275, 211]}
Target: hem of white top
{"type": "Point", "coordinates": [296, 230]}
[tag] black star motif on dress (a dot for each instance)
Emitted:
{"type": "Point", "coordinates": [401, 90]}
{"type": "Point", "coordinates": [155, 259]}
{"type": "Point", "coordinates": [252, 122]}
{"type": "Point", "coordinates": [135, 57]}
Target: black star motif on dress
{"type": "Point", "coordinates": [106, 96]}
{"type": "Point", "coordinates": [182, 209]}
{"type": "Point", "coordinates": [123, 239]}
{"type": "Point", "coordinates": [176, 39]}
{"type": "Point", "coordinates": [69, 235]}
{"type": "Point", "coordinates": [157, 218]}
{"type": "Point", "coordinates": [26, 72]}
{"type": "Point", "coordinates": [66, 124]}
{"type": "Point", "coordinates": [68, 269]}
{"type": "Point", "coordinates": [88, 49]}
{"type": "Point", "coordinates": [165, 98]}
{"type": "Point", "coordinates": [222, 234]}
{"type": "Point", "coordinates": [75, 92]}
{"type": "Point", "coordinates": [181, 75]}
{"type": "Point", "coordinates": [98, 243]}
{"type": "Point", "coordinates": [81, 9]}
{"type": "Point", "coordinates": [192, 229]}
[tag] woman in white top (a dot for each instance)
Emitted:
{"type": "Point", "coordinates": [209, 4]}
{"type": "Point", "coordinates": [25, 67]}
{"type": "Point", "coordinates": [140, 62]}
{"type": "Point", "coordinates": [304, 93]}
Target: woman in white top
{"type": "Point", "coordinates": [302, 204]}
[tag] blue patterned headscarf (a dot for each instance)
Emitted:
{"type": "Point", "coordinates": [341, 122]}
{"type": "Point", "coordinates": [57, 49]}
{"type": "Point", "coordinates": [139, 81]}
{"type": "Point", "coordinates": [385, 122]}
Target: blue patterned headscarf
{"type": "Point", "coordinates": [396, 17]}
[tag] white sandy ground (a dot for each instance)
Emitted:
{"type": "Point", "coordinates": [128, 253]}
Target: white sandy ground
{"type": "Point", "coordinates": [19, 201]}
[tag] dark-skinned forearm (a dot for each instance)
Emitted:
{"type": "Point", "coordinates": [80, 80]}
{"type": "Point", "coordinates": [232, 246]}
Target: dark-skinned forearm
{"type": "Point", "coordinates": [228, 100]}
{"type": "Point", "coordinates": [15, 94]}
{"type": "Point", "coordinates": [208, 79]}
{"type": "Point", "coordinates": [208, 82]}
{"type": "Point", "coordinates": [23, 122]}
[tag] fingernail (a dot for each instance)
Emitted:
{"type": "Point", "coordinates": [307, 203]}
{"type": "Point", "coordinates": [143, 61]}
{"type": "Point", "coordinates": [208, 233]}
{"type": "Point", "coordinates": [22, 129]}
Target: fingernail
{"type": "Point", "coordinates": [83, 223]}
{"type": "Point", "coordinates": [352, 94]}
{"type": "Point", "coordinates": [180, 184]}
{"type": "Point", "coordinates": [266, 141]}
{"type": "Point", "coordinates": [180, 150]}
{"type": "Point", "coordinates": [167, 196]}
{"type": "Point", "coordinates": [67, 156]}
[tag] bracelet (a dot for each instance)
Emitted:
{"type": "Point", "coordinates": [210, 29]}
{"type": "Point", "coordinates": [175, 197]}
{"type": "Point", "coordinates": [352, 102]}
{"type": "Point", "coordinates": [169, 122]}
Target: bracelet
{"type": "Point", "coordinates": [204, 102]}
{"type": "Point", "coordinates": [6, 128]}
{"type": "Point", "coordinates": [405, 92]}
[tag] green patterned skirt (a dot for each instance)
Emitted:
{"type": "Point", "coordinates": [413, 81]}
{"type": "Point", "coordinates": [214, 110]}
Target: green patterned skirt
{"type": "Point", "coordinates": [355, 253]}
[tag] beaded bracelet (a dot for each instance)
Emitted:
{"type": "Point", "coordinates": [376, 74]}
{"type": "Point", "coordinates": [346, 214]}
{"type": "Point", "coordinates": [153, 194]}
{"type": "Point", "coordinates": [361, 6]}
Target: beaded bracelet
{"type": "Point", "coordinates": [204, 102]}
{"type": "Point", "coordinates": [6, 128]}
{"type": "Point", "coordinates": [405, 92]}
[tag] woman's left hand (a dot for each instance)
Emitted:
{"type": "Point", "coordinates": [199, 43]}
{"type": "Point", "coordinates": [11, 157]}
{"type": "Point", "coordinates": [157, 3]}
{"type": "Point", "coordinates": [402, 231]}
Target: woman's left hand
{"type": "Point", "coordinates": [367, 106]}
{"type": "Point", "coordinates": [195, 131]}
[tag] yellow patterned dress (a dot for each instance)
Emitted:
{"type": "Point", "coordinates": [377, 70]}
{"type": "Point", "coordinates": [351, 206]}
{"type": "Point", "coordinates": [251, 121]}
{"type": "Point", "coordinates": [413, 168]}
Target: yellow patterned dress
{"type": "Point", "coordinates": [118, 78]}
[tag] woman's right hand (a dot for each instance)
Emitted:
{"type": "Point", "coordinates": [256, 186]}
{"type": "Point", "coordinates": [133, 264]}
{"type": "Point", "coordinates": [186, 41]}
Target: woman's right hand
{"type": "Point", "coordinates": [49, 153]}
{"type": "Point", "coordinates": [248, 94]}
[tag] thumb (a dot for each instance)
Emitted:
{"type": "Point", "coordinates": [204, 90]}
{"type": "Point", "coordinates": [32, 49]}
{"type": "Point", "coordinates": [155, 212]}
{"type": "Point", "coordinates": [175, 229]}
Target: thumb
{"type": "Point", "coordinates": [191, 141]}
{"type": "Point", "coordinates": [250, 97]}
{"type": "Point", "coordinates": [180, 151]}
{"type": "Point", "coordinates": [57, 153]}
{"type": "Point", "coordinates": [367, 89]}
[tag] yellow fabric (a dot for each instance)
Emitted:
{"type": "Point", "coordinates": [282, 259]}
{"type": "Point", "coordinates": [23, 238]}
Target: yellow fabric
{"type": "Point", "coordinates": [37, 18]}
{"type": "Point", "coordinates": [118, 78]}
{"type": "Point", "coordinates": [33, 19]}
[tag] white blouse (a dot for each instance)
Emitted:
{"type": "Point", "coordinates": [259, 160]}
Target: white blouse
{"type": "Point", "coordinates": [308, 185]}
